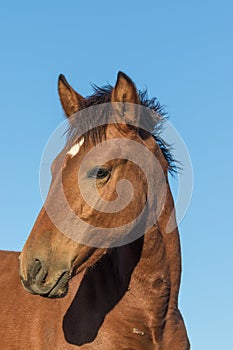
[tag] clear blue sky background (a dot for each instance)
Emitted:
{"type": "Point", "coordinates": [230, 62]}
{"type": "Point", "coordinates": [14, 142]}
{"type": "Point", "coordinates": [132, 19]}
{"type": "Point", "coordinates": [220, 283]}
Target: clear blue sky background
{"type": "Point", "coordinates": [183, 52]}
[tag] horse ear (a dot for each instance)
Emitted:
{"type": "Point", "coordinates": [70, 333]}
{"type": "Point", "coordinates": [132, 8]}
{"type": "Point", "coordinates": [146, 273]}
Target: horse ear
{"type": "Point", "coordinates": [124, 90]}
{"type": "Point", "coordinates": [71, 101]}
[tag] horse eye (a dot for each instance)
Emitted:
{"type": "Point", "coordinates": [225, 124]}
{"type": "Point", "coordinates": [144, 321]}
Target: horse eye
{"type": "Point", "coordinates": [99, 173]}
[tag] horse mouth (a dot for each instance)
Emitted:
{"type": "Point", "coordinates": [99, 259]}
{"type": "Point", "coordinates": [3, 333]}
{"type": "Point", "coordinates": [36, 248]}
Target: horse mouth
{"type": "Point", "coordinates": [60, 288]}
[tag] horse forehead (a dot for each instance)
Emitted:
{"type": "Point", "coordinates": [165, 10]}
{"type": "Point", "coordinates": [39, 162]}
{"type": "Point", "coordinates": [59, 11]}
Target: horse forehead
{"type": "Point", "coordinates": [76, 148]}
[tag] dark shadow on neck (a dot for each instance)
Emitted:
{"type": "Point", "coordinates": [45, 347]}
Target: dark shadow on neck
{"type": "Point", "coordinates": [100, 290]}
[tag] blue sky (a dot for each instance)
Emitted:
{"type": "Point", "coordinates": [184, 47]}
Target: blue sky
{"type": "Point", "coordinates": [183, 52]}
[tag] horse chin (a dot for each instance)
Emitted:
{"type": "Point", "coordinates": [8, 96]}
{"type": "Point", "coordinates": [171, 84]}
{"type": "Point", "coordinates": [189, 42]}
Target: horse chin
{"type": "Point", "coordinates": [60, 293]}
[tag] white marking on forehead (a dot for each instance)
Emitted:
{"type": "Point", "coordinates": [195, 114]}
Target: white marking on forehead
{"type": "Point", "coordinates": [76, 148]}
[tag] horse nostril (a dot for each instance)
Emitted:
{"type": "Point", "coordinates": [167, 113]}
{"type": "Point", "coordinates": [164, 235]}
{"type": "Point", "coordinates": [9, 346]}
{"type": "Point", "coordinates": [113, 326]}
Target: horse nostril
{"type": "Point", "coordinates": [36, 267]}
{"type": "Point", "coordinates": [38, 272]}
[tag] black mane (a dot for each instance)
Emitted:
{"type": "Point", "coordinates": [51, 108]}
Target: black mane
{"type": "Point", "coordinates": [102, 95]}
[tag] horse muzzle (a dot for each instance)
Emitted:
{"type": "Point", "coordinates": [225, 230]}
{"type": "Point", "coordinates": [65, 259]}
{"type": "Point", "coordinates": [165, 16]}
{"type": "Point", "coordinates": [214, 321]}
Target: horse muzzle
{"type": "Point", "coordinates": [37, 281]}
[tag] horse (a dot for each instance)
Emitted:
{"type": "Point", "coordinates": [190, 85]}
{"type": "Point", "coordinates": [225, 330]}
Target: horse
{"type": "Point", "coordinates": [94, 289]}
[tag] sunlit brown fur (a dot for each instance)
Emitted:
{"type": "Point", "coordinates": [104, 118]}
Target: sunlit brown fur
{"type": "Point", "coordinates": [118, 298]}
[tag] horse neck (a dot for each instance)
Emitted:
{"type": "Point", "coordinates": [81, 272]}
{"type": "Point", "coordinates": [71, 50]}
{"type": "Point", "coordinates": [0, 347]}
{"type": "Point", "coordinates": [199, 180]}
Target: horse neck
{"type": "Point", "coordinates": [142, 262]}
{"type": "Point", "coordinates": [154, 259]}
